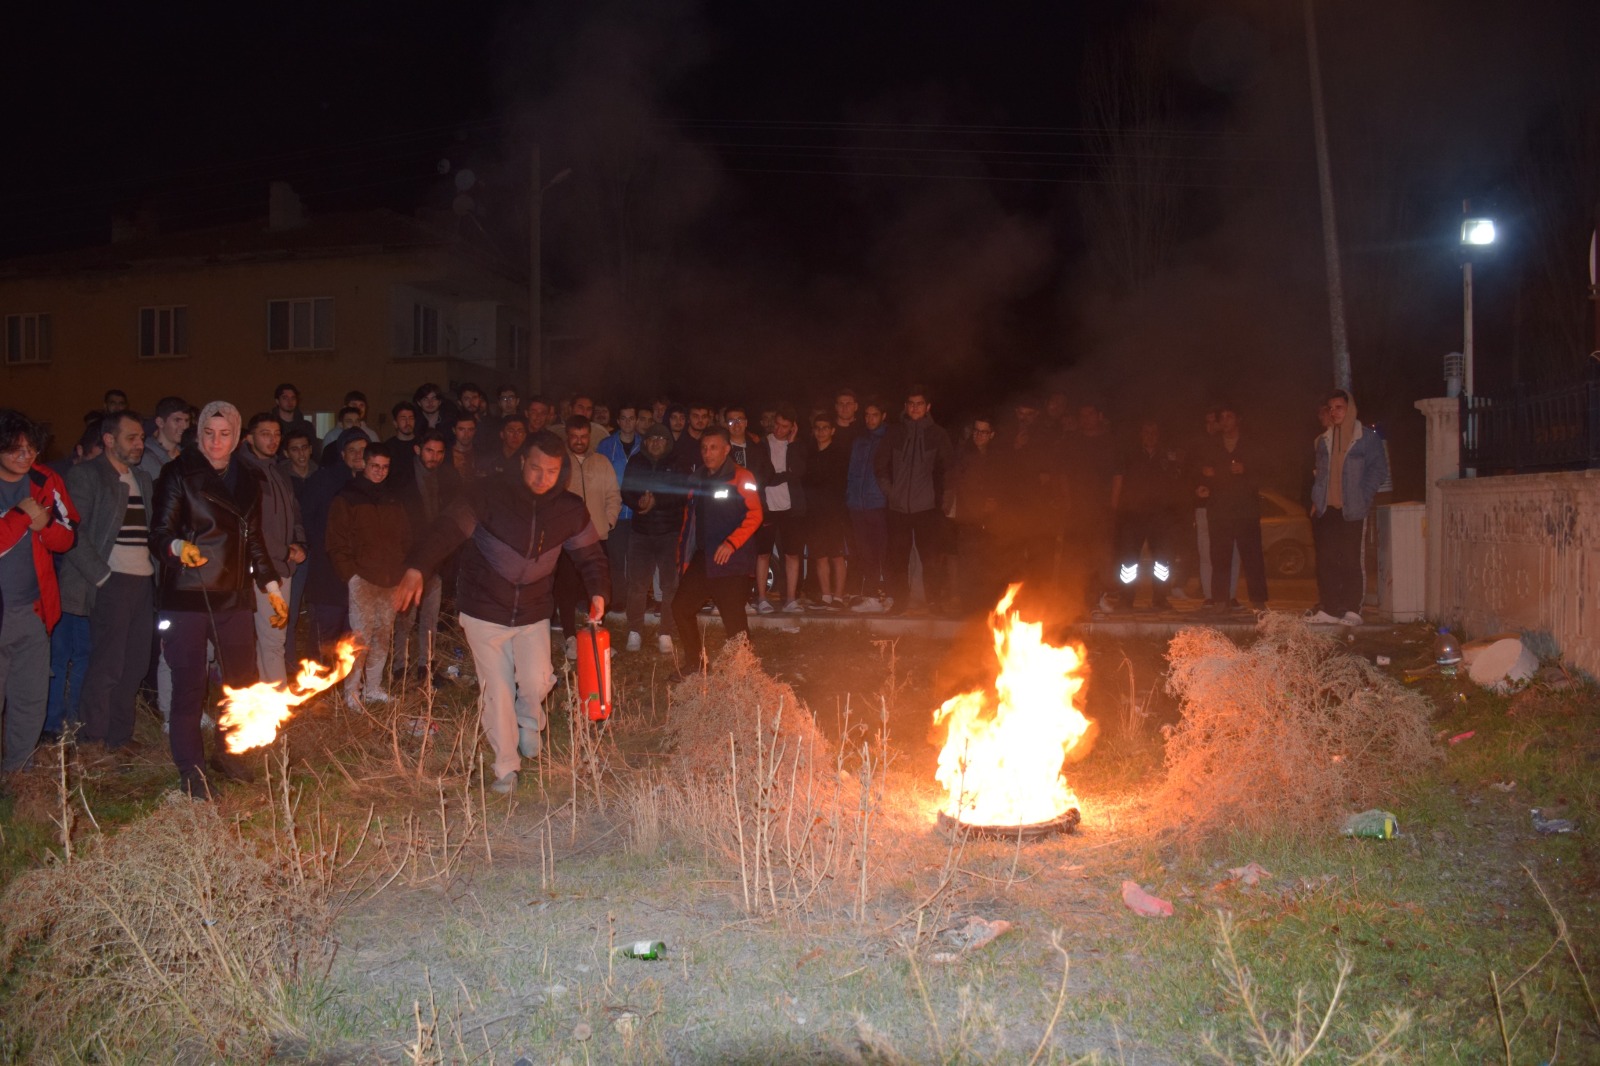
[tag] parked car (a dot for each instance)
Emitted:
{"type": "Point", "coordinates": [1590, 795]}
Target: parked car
{"type": "Point", "coordinates": [1285, 542]}
{"type": "Point", "coordinates": [1286, 537]}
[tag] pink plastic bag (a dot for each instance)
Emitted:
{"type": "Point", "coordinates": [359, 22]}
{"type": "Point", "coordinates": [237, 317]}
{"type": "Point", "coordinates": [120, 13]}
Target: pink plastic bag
{"type": "Point", "coordinates": [1143, 903]}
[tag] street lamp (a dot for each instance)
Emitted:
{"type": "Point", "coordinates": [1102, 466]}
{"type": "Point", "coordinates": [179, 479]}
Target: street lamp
{"type": "Point", "coordinates": [1477, 234]}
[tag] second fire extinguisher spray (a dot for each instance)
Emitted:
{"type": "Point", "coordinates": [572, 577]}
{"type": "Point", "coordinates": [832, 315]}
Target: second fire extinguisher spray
{"type": "Point", "coordinates": [594, 671]}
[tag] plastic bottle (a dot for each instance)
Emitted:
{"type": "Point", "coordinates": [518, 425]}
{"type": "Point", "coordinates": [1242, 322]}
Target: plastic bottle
{"type": "Point", "coordinates": [1446, 652]}
{"type": "Point", "coordinates": [643, 949]}
{"type": "Point", "coordinates": [1374, 824]}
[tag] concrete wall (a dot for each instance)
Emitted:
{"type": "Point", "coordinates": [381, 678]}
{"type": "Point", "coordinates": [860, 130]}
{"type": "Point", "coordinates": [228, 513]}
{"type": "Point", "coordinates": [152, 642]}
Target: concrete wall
{"type": "Point", "coordinates": [1515, 553]}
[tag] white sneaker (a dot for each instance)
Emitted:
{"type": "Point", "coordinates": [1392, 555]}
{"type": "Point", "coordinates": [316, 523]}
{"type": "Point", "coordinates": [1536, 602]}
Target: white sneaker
{"type": "Point", "coordinates": [376, 696]}
{"type": "Point", "coordinates": [634, 642]}
{"type": "Point", "coordinates": [765, 606]}
{"type": "Point", "coordinates": [664, 644]}
{"type": "Point", "coordinates": [652, 618]}
{"type": "Point", "coordinates": [571, 647]}
{"type": "Point", "coordinates": [793, 607]}
{"type": "Point", "coordinates": [869, 605]}
{"type": "Point", "coordinates": [528, 743]}
{"type": "Point", "coordinates": [505, 785]}
{"type": "Point", "coordinates": [1350, 619]}
{"type": "Point", "coordinates": [1322, 618]}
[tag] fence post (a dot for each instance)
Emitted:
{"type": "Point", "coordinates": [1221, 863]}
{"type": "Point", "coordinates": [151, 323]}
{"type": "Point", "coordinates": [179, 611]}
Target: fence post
{"type": "Point", "coordinates": [1444, 454]}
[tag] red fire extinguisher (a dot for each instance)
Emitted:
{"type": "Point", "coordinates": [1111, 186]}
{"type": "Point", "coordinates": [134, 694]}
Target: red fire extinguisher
{"type": "Point", "coordinates": [594, 671]}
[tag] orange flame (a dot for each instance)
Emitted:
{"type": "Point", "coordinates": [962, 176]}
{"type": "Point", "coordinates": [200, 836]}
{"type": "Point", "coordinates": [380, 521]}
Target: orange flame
{"type": "Point", "coordinates": [1002, 756]}
{"type": "Point", "coordinates": [251, 716]}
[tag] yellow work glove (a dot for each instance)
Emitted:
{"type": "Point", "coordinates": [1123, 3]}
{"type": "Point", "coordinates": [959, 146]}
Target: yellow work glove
{"type": "Point", "coordinates": [189, 554]}
{"type": "Point", "coordinates": [280, 610]}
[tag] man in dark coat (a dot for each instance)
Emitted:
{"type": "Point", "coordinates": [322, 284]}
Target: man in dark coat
{"type": "Point", "coordinates": [716, 552]}
{"type": "Point", "coordinates": [510, 533]}
{"type": "Point", "coordinates": [109, 577]}
{"type": "Point", "coordinates": [328, 597]}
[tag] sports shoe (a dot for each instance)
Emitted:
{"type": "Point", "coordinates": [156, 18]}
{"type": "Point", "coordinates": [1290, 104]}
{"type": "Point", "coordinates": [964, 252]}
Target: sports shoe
{"type": "Point", "coordinates": [664, 644]}
{"type": "Point", "coordinates": [635, 642]}
{"type": "Point", "coordinates": [792, 607]}
{"type": "Point", "coordinates": [571, 647]}
{"type": "Point", "coordinates": [377, 695]}
{"type": "Point", "coordinates": [528, 743]}
{"type": "Point", "coordinates": [505, 785]}
{"type": "Point", "coordinates": [1350, 619]}
{"type": "Point", "coordinates": [868, 605]}
{"type": "Point", "coordinates": [1321, 618]}
{"type": "Point", "coordinates": [765, 606]}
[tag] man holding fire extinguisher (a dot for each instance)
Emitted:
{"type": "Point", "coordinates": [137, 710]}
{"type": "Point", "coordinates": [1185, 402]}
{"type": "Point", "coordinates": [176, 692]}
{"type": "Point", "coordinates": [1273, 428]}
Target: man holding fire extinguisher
{"type": "Point", "coordinates": [513, 530]}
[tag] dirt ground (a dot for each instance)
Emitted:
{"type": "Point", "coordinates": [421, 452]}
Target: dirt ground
{"type": "Point", "coordinates": [495, 939]}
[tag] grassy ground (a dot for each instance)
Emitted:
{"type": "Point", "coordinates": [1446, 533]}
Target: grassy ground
{"type": "Point", "coordinates": [476, 928]}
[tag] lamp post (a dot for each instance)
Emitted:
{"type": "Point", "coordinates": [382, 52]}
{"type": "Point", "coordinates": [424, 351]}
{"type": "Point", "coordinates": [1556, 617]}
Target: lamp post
{"type": "Point", "coordinates": [535, 270]}
{"type": "Point", "coordinates": [1476, 235]}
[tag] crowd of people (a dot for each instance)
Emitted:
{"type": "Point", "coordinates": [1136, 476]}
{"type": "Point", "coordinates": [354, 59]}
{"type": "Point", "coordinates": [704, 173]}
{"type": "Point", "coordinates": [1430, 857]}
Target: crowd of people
{"type": "Point", "coordinates": [197, 536]}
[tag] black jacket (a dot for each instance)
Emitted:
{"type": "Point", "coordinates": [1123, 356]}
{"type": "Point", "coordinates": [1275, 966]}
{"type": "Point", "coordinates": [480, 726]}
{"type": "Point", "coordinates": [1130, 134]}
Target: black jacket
{"type": "Point", "coordinates": [666, 482]}
{"type": "Point", "coordinates": [510, 540]}
{"type": "Point", "coordinates": [220, 513]}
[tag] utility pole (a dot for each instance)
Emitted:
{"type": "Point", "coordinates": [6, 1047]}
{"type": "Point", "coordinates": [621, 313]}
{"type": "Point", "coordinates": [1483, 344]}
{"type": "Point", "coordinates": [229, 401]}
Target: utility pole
{"type": "Point", "coordinates": [535, 353]}
{"type": "Point", "coordinates": [1330, 229]}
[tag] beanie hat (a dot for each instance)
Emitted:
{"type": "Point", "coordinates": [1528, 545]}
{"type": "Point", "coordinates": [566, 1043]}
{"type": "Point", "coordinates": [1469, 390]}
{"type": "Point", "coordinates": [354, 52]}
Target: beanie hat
{"type": "Point", "coordinates": [658, 430]}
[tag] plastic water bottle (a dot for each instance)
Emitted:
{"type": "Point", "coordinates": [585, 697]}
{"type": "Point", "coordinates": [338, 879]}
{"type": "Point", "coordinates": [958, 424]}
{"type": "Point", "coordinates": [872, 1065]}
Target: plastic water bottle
{"type": "Point", "coordinates": [1446, 652]}
{"type": "Point", "coordinates": [643, 949]}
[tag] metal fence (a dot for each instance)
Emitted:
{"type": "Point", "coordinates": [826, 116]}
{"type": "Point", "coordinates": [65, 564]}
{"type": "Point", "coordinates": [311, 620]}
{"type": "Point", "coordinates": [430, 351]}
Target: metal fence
{"type": "Point", "coordinates": [1553, 430]}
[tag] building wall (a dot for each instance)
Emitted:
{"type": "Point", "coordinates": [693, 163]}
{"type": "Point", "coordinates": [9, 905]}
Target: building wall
{"type": "Point", "coordinates": [1521, 553]}
{"type": "Point", "coordinates": [95, 326]}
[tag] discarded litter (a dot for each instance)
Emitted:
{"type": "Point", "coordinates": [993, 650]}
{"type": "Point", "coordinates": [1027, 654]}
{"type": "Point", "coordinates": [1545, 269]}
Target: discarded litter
{"type": "Point", "coordinates": [649, 950]}
{"type": "Point", "coordinates": [1541, 824]}
{"type": "Point", "coordinates": [1502, 662]}
{"type": "Point", "coordinates": [1384, 660]}
{"type": "Point", "coordinates": [1459, 737]}
{"type": "Point", "coordinates": [970, 935]}
{"type": "Point", "coordinates": [422, 726]}
{"type": "Point", "coordinates": [1502, 786]}
{"type": "Point", "coordinates": [1143, 903]}
{"type": "Point", "coordinates": [1373, 824]}
{"type": "Point", "coordinates": [1446, 653]}
{"type": "Point", "coordinates": [1249, 874]}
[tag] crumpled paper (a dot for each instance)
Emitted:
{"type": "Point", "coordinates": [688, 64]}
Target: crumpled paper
{"type": "Point", "coordinates": [970, 935]}
{"type": "Point", "coordinates": [1249, 874]}
{"type": "Point", "coordinates": [1143, 903]}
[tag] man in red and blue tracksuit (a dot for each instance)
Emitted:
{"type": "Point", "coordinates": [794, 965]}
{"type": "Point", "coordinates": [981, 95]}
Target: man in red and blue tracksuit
{"type": "Point", "coordinates": [716, 559]}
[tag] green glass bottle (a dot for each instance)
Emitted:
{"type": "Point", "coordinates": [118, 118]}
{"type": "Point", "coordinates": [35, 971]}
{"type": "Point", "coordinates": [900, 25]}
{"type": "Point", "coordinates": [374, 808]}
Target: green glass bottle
{"type": "Point", "coordinates": [645, 949]}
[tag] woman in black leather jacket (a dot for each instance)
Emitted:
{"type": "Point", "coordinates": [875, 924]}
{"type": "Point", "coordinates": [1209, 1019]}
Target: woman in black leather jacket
{"type": "Point", "coordinates": [205, 531]}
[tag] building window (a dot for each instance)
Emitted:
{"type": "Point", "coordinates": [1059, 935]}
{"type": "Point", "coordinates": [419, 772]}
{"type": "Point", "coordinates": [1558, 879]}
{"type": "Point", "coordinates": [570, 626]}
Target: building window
{"type": "Point", "coordinates": [424, 330]}
{"type": "Point", "coordinates": [300, 325]}
{"type": "Point", "coordinates": [27, 338]}
{"type": "Point", "coordinates": [163, 331]}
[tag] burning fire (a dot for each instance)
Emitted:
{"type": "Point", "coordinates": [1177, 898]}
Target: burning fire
{"type": "Point", "coordinates": [251, 716]}
{"type": "Point", "coordinates": [1001, 762]}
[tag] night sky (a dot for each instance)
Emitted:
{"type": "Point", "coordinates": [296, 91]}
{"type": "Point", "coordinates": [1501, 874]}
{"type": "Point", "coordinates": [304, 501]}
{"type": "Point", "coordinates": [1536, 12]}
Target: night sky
{"type": "Point", "coordinates": [770, 198]}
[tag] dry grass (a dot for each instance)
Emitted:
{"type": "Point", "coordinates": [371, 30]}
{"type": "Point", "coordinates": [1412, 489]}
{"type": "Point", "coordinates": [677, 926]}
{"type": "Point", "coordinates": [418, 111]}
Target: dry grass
{"type": "Point", "coordinates": [172, 926]}
{"type": "Point", "coordinates": [1290, 732]}
{"type": "Point", "coordinates": [755, 783]}
{"type": "Point", "coordinates": [707, 708]}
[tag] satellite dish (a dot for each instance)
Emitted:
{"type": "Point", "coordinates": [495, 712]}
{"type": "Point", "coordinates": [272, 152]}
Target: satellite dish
{"type": "Point", "coordinates": [465, 179]}
{"type": "Point", "coordinates": [462, 205]}
{"type": "Point", "coordinates": [444, 166]}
